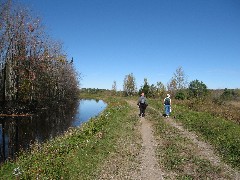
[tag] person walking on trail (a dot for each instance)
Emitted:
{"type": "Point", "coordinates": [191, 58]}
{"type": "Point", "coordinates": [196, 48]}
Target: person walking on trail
{"type": "Point", "coordinates": [142, 104]}
{"type": "Point", "coordinates": [167, 105]}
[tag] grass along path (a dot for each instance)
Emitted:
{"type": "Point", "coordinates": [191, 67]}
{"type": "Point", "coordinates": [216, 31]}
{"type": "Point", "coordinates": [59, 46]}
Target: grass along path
{"type": "Point", "coordinates": [106, 147]}
{"type": "Point", "coordinates": [169, 151]}
{"type": "Point", "coordinates": [124, 162]}
{"type": "Point", "coordinates": [117, 145]}
{"type": "Point", "coordinates": [183, 155]}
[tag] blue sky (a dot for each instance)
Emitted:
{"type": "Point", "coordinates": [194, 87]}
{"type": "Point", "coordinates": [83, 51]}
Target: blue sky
{"type": "Point", "coordinates": [110, 39]}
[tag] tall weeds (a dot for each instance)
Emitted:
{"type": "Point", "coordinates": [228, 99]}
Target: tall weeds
{"type": "Point", "coordinates": [215, 108]}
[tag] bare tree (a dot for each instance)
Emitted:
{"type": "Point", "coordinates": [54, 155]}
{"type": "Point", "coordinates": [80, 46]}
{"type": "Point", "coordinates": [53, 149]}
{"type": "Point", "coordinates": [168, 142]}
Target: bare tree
{"type": "Point", "coordinates": [178, 81]}
{"type": "Point", "coordinates": [114, 88]}
{"type": "Point", "coordinates": [172, 86]}
{"type": "Point", "coordinates": [129, 85]}
{"type": "Point", "coordinates": [180, 78]}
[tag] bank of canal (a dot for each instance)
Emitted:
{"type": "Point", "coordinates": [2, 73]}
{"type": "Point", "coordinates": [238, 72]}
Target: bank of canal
{"type": "Point", "coordinates": [19, 132]}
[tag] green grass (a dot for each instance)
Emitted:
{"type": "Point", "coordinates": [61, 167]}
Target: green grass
{"type": "Point", "coordinates": [221, 133]}
{"type": "Point", "coordinates": [79, 153]}
{"type": "Point", "coordinates": [82, 152]}
{"type": "Point", "coordinates": [178, 155]}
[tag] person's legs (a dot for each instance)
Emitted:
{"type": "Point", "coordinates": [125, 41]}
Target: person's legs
{"type": "Point", "coordinates": [142, 110]}
{"type": "Point", "coordinates": [165, 107]}
{"type": "Point", "coordinates": [167, 110]}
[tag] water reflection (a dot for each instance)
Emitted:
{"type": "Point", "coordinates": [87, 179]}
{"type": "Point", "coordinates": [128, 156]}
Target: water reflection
{"type": "Point", "coordinates": [19, 132]}
{"type": "Point", "coordinates": [86, 110]}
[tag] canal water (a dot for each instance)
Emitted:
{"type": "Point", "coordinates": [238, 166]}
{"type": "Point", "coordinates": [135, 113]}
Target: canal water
{"type": "Point", "coordinates": [19, 132]}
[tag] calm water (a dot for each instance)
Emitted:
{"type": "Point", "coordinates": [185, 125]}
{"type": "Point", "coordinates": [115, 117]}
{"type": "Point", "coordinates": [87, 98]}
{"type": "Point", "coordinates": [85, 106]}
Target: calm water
{"type": "Point", "coordinates": [19, 132]}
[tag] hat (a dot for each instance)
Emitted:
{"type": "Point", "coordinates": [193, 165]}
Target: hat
{"type": "Point", "coordinates": [168, 95]}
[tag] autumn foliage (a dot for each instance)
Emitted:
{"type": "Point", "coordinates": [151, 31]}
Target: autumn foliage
{"type": "Point", "coordinates": [33, 67]}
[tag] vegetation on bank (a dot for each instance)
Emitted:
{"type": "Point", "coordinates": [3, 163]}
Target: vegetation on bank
{"type": "Point", "coordinates": [178, 156]}
{"type": "Point", "coordinates": [84, 152]}
{"type": "Point", "coordinates": [34, 69]}
{"type": "Point", "coordinates": [80, 152]}
{"type": "Point", "coordinates": [214, 118]}
{"type": "Point", "coordinates": [223, 134]}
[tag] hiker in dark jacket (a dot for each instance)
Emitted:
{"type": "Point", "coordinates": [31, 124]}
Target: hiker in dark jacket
{"type": "Point", "coordinates": [142, 104]}
{"type": "Point", "coordinates": [167, 105]}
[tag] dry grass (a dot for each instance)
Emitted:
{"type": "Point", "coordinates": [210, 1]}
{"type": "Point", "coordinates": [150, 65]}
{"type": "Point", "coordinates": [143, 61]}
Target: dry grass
{"type": "Point", "coordinates": [227, 110]}
{"type": "Point", "coordinates": [234, 103]}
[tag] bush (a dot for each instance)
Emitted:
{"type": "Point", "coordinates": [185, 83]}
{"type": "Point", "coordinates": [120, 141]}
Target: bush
{"type": "Point", "coordinates": [180, 95]}
{"type": "Point", "coordinates": [229, 94]}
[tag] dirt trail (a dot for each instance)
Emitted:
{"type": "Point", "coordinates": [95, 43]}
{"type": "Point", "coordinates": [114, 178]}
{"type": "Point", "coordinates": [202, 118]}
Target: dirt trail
{"type": "Point", "coordinates": [204, 149]}
{"type": "Point", "coordinates": [140, 162]}
{"type": "Point", "coordinates": [145, 164]}
{"type": "Point", "coordinates": [149, 167]}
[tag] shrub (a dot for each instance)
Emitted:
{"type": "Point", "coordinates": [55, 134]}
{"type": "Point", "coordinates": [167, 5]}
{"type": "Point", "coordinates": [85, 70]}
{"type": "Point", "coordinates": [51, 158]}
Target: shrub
{"type": "Point", "coordinates": [180, 95]}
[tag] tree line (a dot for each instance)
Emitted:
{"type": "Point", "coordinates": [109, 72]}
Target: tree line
{"type": "Point", "coordinates": [178, 87]}
{"type": "Point", "coordinates": [33, 67]}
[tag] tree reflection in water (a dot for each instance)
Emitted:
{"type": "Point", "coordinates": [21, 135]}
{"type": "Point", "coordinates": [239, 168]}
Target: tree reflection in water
{"type": "Point", "coordinates": [19, 132]}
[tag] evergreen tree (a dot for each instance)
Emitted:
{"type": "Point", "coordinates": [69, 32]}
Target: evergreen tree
{"type": "Point", "coordinates": [197, 89]}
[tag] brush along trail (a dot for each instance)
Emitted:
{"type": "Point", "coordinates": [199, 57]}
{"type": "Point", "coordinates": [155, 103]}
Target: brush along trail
{"type": "Point", "coordinates": [171, 153]}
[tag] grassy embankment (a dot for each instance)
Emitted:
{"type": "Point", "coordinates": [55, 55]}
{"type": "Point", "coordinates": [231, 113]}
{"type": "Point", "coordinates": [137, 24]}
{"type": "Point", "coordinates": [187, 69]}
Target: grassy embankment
{"type": "Point", "coordinates": [80, 152]}
{"type": "Point", "coordinates": [179, 157]}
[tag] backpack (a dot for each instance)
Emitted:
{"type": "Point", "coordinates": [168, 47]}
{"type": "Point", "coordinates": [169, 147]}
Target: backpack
{"type": "Point", "coordinates": [167, 101]}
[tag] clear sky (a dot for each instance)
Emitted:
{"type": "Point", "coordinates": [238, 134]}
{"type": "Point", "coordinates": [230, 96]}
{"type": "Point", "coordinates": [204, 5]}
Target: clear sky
{"type": "Point", "coordinates": [110, 39]}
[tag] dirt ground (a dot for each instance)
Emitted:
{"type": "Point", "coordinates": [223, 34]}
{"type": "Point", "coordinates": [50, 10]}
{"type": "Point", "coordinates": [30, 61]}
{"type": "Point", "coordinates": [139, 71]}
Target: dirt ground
{"type": "Point", "coordinates": [150, 168]}
{"type": "Point", "coordinates": [144, 164]}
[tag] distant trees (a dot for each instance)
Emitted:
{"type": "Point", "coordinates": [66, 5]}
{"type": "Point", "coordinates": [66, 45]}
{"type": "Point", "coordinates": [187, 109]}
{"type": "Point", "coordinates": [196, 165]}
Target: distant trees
{"type": "Point", "coordinates": [145, 88]}
{"type": "Point", "coordinates": [229, 94]}
{"type": "Point", "coordinates": [197, 89]}
{"type": "Point", "coordinates": [178, 82]}
{"type": "Point", "coordinates": [177, 87]}
{"type": "Point", "coordinates": [160, 89]}
{"type": "Point", "coordinates": [94, 91]}
{"type": "Point", "coordinates": [114, 88]}
{"type": "Point", "coordinates": [32, 66]}
{"type": "Point", "coordinates": [152, 90]}
{"type": "Point", "coordinates": [180, 78]}
{"type": "Point", "coordinates": [129, 85]}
